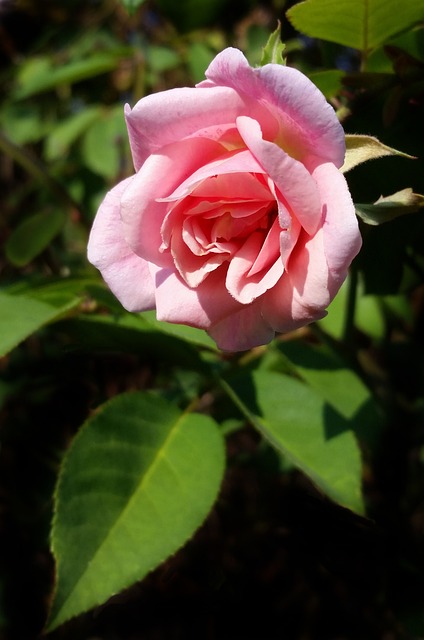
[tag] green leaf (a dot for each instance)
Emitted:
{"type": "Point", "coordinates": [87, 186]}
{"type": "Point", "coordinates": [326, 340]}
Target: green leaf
{"type": "Point", "coordinates": [138, 481]}
{"type": "Point", "coordinates": [307, 430]}
{"type": "Point", "coordinates": [21, 316]}
{"type": "Point", "coordinates": [131, 333]}
{"type": "Point", "coordinates": [273, 51]}
{"type": "Point", "coordinates": [69, 130]}
{"type": "Point", "coordinates": [371, 310]}
{"type": "Point", "coordinates": [390, 207]}
{"type": "Point", "coordinates": [361, 24]}
{"type": "Point", "coordinates": [105, 143]}
{"type": "Point", "coordinates": [33, 235]}
{"type": "Point", "coordinates": [328, 375]}
{"type": "Point", "coordinates": [336, 384]}
{"type": "Point", "coordinates": [360, 148]}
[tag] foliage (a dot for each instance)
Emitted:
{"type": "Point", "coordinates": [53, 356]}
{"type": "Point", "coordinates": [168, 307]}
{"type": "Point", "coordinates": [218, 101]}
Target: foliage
{"type": "Point", "coordinates": [328, 418]}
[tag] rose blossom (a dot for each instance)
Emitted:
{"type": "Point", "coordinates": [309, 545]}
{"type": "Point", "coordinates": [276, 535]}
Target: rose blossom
{"type": "Point", "coordinates": [238, 220]}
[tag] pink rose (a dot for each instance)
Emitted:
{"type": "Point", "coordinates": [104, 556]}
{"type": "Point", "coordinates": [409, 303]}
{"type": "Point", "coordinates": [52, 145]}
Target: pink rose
{"type": "Point", "coordinates": [238, 220]}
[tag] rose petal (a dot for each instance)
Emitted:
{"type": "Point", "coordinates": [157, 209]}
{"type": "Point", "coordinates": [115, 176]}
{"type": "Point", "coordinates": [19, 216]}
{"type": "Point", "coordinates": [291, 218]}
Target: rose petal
{"type": "Point", "coordinates": [201, 307]}
{"type": "Point", "coordinates": [290, 176]}
{"type": "Point", "coordinates": [242, 330]}
{"type": "Point", "coordinates": [239, 162]}
{"type": "Point", "coordinates": [192, 268]}
{"type": "Point", "coordinates": [142, 215]}
{"type": "Point", "coordinates": [302, 294]}
{"type": "Point", "coordinates": [126, 274]}
{"type": "Point", "coordinates": [309, 124]}
{"type": "Point", "coordinates": [181, 113]}
{"type": "Point", "coordinates": [342, 240]}
{"type": "Point", "coordinates": [244, 286]}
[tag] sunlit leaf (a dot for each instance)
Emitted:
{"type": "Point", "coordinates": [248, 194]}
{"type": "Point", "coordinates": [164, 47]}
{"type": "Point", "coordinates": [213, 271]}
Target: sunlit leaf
{"type": "Point", "coordinates": [360, 148]}
{"type": "Point", "coordinates": [361, 24]}
{"type": "Point", "coordinates": [334, 380]}
{"type": "Point", "coordinates": [139, 479]}
{"type": "Point", "coordinates": [336, 383]}
{"type": "Point", "coordinates": [308, 431]}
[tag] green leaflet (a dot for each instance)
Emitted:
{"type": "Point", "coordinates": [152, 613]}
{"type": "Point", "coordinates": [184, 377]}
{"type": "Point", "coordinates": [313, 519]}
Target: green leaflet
{"type": "Point", "coordinates": [390, 207]}
{"type": "Point", "coordinates": [307, 430]}
{"type": "Point", "coordinates": [360, 148]}
{"type": "Point", "coordinates": [139, 479]}
{"type": "Point", "coordinates": [361, 24]}
{"type": "Point", "coordinates": [21, 316]}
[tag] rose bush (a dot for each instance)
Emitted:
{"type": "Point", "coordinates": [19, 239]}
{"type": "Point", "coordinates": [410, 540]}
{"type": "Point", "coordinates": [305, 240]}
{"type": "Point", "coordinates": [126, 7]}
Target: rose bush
{"type": "Point", "coordinates": [237, 220]}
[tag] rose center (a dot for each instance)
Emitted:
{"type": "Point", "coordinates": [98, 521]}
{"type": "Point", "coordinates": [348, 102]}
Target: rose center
{"type": "Point", "coordinates": [209, 227]}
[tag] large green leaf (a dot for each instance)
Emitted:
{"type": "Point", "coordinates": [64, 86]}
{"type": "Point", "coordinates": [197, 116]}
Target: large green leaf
{"type": "Point", "coordinates": [21, 316]}
{"type": "Point", "coordinates": [361, 24]}
{"type": "Point", "coordinates": [336, 383]}
{"type": "Point", "coordinates": [139, 479]}
{"type": "Point", "coordinates": [308, 431]}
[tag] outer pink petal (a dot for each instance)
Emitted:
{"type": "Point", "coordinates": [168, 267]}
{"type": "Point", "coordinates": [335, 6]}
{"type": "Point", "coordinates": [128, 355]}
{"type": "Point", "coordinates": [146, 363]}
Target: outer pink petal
{"type": "Point", "coordinates": [142, 214]}
{"type": "Point", "coordinates": [290, 176]}
{"type": "Point", "coordinates": [342, 239]}
{"type": "Point", "coordinates": [242, 330]}
{"type": "Point", "coordinates": [318, 265]}
{"type": "Point", "coordinates": [126, 274]}
{"type": "Point", "coordinates": [200, 307]}
{"type": "Point", "coordinates": [309, 124]}
{"type": "Point", "coordinates": [302, 294]}
{"type": "Point", "coordinates": [166, 117]}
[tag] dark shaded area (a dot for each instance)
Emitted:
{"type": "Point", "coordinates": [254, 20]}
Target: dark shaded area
{"type": "Point", "coordinates": [274, 560]}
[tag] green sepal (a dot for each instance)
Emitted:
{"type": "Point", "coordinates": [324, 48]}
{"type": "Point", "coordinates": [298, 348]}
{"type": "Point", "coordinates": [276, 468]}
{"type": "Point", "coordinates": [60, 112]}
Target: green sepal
{"type": "Point", "coordinates": [273, 51]}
